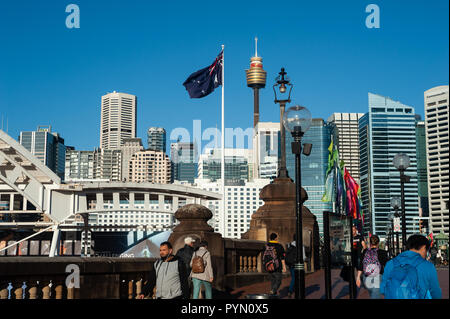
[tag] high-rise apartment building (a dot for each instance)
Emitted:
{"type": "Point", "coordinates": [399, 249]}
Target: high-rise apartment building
{"type": "Point", "coordinates": [118, 119]}
{"type": "Point", "coordinates": [80, 165]}
{"type": "Point", "coordinates": [184, 162]}
{"type": "Point", "coordinates": [387, 129]}
{"type": "Point", "coordinates": [47, 146]}
{"type": "Point", "coordinates": [344, 130]}
{"type": "Point", "coordinates": [313, 167]}
{"type": "Point", "coordinates": [266, 141]}
{"type": "Point", "coordinates": [150, 166]}
{"type": "Point", "coordinates": [108, 164]}
{"type": "Point", "coordinates": [130, 146]}
{"type": "Point", "coordinates": [156, 138]}
{"type": "Point", "coordinates": [241, 201]}
{"type": "Point", "coordinates": [437, 140]}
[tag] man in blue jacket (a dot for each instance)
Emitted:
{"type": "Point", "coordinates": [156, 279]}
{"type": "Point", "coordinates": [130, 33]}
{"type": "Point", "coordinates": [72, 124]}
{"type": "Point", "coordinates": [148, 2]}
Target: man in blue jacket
{"type": "Point", "coordinates": [410, 275]}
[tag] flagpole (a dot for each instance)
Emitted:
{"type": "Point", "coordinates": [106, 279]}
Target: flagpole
{"type": "Point", "coordinates": [223, 221]}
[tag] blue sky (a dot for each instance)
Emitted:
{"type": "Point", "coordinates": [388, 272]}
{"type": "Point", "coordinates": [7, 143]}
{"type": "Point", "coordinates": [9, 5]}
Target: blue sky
{"type": "Point", "coordinates": [52, 75]}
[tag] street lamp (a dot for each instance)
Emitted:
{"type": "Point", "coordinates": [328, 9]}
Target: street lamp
{"type": "Point", "coordinates": [401, 162]}
{"type": "Point", "coordinates": [282, 81]}
{"type": "Point", "coordinates": [297, 120]}
{"type": "Point", "coordinates": [395, 203]}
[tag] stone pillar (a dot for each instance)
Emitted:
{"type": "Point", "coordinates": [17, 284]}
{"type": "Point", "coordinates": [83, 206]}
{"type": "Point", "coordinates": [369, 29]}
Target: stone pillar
{"type": "Point", "coordinates": [278, 215]}
{"type": "Point", "coordinates": [193, 220]}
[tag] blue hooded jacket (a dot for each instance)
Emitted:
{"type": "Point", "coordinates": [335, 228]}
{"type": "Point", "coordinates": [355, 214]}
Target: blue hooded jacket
{"type": "Point", "coordinates": [428, 279]}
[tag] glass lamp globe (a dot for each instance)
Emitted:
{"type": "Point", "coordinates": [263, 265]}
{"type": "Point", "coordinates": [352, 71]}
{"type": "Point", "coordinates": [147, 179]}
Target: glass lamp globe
{"type": "Point", "coordinates": [297, 116]}
{"type": "Point", "coordinates": [401, 161]}
{"type": "Point", "coordinates": [395, 202]}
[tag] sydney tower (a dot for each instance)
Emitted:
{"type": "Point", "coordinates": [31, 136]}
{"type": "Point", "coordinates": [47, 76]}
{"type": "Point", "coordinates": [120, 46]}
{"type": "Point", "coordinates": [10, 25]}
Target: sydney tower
{"type": "Point", "coordinates": [256, 79]}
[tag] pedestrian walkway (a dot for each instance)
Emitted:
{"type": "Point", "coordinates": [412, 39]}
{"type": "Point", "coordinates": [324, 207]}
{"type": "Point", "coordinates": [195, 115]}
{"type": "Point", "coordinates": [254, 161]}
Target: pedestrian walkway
{"type": "Point", "coordinates": [315, 287]}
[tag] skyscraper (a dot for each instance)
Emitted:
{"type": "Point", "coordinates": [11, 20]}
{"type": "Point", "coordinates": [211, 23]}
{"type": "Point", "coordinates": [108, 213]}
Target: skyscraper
{"type": "Point", "coordinates": [421, 151]}
{"type": "Point", "coordinates": [156, 139]}
{"type": "Point", "coordinates": [184, 162]}
{"type": "Point", "coordinates": [266, 141]}
{"type": "Point", "coordinates": [437, 138]}
{"type": "Point", "coordinates": [344, 129]}
{"type": "Point", "coordinates": [387, 129]}
{"type": "Point", "coordinates": [47, 146]}
{"type": "Point", "coordinates": [118, 119]}
{"type": "Point", "coordinates": [313, 167]}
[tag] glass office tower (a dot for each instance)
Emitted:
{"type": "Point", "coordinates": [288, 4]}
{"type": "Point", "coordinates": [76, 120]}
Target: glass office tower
{"type": "Point", "coordinates": [387, 129]}
{"type": "Point", "coordinates": [314, 167]}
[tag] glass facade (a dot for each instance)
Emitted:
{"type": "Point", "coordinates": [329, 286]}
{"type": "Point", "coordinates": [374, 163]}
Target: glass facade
{"type": "Point", "coordinates": [156, 138]}
{"type": "Point", "coordinates": [313, 167]}
{"type": "Point", "coordinates": [48, 147]}
{"type": "Point", "coordinates": [236, 169]}
{"type": "Point", "coordinates": [184, 166]}
{"type": "Point", "coordinates": [387, 129]}
{"type": "Point", "coordinates": [422, 166]}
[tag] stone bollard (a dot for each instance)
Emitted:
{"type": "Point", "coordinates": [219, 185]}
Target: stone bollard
{"type": "Point", "coordinates": [33, 292]}
{"type": "Point", "coordinates": [130, 289]}
{"type": "Point", "coordinates": [4, 291]}
{"type": "Point", "coordinates": [46, 292]}
{"type": "Point", "coordinates": [59, 291]}
{"type": "Point", "coordinates": [138, 288]}
{"type": "Point", "coordinates": [18, 292]}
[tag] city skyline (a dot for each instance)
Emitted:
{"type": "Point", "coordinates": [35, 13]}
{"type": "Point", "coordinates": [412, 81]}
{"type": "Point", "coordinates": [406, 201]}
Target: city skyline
{"type": "Point", "coordinates": [383, 65]}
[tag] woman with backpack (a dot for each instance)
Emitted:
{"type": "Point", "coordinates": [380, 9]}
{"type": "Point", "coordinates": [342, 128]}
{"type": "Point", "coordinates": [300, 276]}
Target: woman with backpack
{"type": "Point", "coordinates": [372, 264]}
{"type": "Point", "coordinates": [202, 272]}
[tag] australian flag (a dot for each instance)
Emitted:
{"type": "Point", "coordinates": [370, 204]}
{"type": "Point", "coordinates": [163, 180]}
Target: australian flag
{"type": "Point", "coordinates": [203, 82]}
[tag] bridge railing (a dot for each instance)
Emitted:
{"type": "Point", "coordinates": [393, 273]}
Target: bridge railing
{"type": "Point", "coordinates": [56, 278]}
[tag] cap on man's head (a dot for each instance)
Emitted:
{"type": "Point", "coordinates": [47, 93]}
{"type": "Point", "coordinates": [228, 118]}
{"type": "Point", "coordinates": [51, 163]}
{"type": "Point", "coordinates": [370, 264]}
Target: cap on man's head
{"type": "Point", "coordinates": [189, 240]}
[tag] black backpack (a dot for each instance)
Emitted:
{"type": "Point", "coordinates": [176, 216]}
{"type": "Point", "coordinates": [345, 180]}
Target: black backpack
{"type": "Point", "coordinates": [291, 255]}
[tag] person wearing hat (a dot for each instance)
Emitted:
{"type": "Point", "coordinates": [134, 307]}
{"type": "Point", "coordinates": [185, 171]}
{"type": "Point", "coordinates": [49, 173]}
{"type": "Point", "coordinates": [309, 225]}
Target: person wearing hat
{"type": "Point", "coordinates": [185, 254]}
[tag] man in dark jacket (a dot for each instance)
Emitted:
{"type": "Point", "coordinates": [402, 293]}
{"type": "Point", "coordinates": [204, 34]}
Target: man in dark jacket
{"type": "Point", "coordinates": [186, 253]}
{"type": "Point", "coordinates": [168, 275]}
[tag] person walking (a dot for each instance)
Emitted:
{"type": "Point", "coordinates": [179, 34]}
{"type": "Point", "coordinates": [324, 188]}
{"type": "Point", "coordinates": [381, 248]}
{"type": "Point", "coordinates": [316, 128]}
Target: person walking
{"type": "Point", "coordinates": [168, 276]}
{"type": "Point", "coordinates": [410, 275]}
{"type": "Point", "coordinates": [185, 253]}
{"type": "Point", "coordinates": [372, 263]}
{"type": "Point", "coordinates": [202, 271]}
{"type": "Point", "coordinates": [290, 260]}
{"type": "Point", "coordinates": [274, 262]}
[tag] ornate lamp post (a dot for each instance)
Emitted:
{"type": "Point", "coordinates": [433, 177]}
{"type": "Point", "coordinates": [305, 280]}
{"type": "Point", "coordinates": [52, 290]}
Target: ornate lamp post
{"type": "Point", "coordinates": [401, 162]}
{"type": "Point", "coordinates": [297, 120]}
{"type": "Point", "coordinates": [281, 82]}
{"type": "Point", "coordinates": [395, 203]}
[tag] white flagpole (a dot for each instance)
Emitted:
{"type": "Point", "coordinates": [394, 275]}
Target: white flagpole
{"type": "Point", "coordinates": [222, 218]}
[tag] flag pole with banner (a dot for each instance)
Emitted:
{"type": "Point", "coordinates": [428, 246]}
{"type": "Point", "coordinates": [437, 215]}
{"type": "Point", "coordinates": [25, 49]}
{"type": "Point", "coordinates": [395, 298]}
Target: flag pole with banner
{"type": "Point", "coordinates": [200, 84]}
{"type": "Point", "coordinates": [223, 219]}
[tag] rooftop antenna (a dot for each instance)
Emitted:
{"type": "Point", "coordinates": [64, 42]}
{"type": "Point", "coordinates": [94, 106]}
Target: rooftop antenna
{"type": "Point", "coordinates": [256, 46]}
